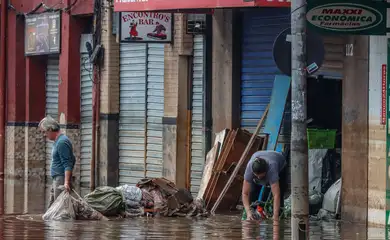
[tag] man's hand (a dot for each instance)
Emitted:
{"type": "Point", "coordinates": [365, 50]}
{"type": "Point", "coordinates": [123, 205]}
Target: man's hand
{"type": "Point", "coordinates": [67, 186]}
{"type": "Point", "coordinates": [249, 216]}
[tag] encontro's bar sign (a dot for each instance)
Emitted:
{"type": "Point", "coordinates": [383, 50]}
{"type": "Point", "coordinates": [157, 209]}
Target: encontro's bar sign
{"type": "Point", "coordinates": [146, 27]}
{"type": "Point", "coordinates": [365, 18]}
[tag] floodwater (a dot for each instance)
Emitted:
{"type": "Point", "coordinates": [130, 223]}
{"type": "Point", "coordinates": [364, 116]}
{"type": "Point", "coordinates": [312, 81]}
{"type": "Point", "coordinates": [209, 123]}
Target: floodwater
{"type": "Point", "coordinates": [219, 227]}
{"type": "Point", "coordinates": [31, 200]}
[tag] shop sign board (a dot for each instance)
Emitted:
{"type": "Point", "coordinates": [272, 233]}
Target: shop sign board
{"type": "Point", "coordinates": [146, 27]}
{"type": "Point", "coordinates": [43, 34]}
{"type": "Point", "coordinates": [348, 17]}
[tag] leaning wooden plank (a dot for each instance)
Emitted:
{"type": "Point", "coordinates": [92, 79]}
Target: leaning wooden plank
{"type": "Point", "coordinates": [231, 197]}
{"type": "Point", "coordinates": [211, 157]}
{"type": "Point", "coordinates": [220, 138]}
{"type": "Point", "coordinates": [242, 159]}
{"type": "Point", "coordinates": [218, 167]}
{"type": "Point", "coordinates": [214, 172]}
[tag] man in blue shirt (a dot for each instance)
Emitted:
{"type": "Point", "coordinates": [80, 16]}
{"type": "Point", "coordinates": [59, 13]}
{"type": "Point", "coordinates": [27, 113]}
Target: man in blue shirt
{"type": "Point", "coordinates": [62, 157]}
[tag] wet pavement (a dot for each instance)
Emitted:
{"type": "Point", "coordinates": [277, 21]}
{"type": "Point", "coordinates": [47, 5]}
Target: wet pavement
{"type": "Point", "coordinates": [218, 227]}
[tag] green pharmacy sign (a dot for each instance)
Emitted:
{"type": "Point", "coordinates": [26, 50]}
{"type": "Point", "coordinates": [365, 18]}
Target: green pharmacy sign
{"type": "Point", "coordinates": [347, 17]}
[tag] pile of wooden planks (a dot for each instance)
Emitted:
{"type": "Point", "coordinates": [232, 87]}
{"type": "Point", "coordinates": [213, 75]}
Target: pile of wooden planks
{"type": "Point", "coordinates": [221, 162]}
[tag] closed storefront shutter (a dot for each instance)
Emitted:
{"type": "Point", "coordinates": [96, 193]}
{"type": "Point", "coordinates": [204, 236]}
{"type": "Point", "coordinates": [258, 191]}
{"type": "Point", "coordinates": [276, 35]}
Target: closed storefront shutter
{"type": "Point", "coordinates": [132, 115]}
{"type": "Point", "coordinates": [52, 82]}
{"type": "Point", "coordinates": [155, 109]}
{"type": "Point", "coordinates": [86, 117]}
{"type": "Point", "coordinates": [141, 111]}
{"type": "Point", "coordinates": [198, 137]}
{"type": "Point", "coordinates": [260, 29]}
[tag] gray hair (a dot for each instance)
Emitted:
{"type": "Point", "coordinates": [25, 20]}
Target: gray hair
{"type": "Point", "coordinates": [49, 124]}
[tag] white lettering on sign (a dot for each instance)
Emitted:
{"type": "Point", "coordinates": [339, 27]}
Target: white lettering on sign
{"type": "Point", "coordinates": [344, 17]}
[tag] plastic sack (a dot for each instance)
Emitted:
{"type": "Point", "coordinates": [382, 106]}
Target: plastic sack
{"type": "Point", "coordinates": [107, 200]}
{"type": "Point", "coordinates": [132, 194]}
{"type": "Point", "coordinates": [62, 209]}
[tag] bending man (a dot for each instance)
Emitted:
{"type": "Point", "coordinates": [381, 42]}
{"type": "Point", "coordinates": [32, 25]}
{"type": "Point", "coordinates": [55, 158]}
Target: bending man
{"type": "Point", "coordinates": [62, 157]}
{"type": "Point", "coordinates": [265, 167]}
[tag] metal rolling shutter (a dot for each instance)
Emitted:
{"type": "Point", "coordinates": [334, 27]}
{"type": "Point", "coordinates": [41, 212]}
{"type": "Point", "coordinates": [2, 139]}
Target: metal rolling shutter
{"type": "Point", "coordinates": [86, 118]}
{"type": "Point", "coordinates": [141, 111]}
{"type": "Point", "coordinates": [52, 82]}
{"type": "Point", "coordinates": [198, 137]}
{"type": "Point", "coordinates": [260, 29]}
{"type": "Point", "coordinates": [155, 109]}
{"type": "Point", "coordinates": [132, 116]}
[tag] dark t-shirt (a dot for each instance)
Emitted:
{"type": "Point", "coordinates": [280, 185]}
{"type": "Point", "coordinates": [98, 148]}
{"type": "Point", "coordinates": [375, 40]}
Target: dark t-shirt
{"type": "Point", "coordinates": [276, 162]}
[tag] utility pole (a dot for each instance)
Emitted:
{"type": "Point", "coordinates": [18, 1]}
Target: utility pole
{"type": "Point", "coordinates": [299, 147]}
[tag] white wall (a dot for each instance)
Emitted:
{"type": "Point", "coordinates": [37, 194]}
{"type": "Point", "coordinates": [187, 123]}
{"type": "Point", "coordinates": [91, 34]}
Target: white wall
{"type": "Point", "coordinates": [377, 132]}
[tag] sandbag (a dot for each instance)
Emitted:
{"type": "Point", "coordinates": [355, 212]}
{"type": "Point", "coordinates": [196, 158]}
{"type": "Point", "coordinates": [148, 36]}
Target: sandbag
{"type": "Point", "coordinates": [62, 209]}
{"type": "Point", "coordinates": [107, 200]}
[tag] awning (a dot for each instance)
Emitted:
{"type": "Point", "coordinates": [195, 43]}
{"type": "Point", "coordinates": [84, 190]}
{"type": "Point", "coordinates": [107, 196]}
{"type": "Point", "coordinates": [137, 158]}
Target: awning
{"type": "Point", "coordinates": [164, 5]}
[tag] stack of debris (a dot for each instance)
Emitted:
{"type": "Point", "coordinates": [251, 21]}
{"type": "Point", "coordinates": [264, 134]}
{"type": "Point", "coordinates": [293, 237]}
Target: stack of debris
{"type": "Point", "coordinates": [160, 196]}
{"type": "Point", "coordinates": [230, 146]}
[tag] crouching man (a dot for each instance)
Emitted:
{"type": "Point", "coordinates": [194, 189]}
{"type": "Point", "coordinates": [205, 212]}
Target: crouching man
{"type": "Point", "coordinates": [264, 167]}
{"type": "Point", "coordinates": [62, 157]}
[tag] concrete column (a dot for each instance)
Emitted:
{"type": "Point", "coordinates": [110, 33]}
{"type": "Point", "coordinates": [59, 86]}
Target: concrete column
{"type": "Point", "coordinates": [355, 132]}
{"type": "Point", "coordinates": [34, 173]}
{"type": "Point", "coordinates": [109, 105]}
{"type": "Point", "coordinates": [69, 86]}
{"type": "Point", "coordinates": [16, 107]}
{"type": "Point", "coordinates": [222, 60]}
{"type": "Point", "coordinates": [175, 102]}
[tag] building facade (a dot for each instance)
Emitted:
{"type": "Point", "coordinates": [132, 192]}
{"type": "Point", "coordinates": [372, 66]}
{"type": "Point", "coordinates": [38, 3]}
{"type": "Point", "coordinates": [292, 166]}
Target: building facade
{"type": "Point", "coordinates": [160, 104]}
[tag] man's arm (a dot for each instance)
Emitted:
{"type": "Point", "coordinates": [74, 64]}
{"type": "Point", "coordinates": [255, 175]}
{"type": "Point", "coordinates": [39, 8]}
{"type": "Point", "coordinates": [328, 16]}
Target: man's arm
{"type": "Point", "coordinates": [245, 195]}
{"type": "Point", "coordinates": [275, 188]}
{"type": "Point", "coordinates": [66, 157]}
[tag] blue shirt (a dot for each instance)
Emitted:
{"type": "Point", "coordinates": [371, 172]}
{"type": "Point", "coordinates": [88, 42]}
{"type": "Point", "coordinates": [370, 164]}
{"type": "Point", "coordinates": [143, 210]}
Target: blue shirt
{"type": "Point", "coordinates": [62, 158]}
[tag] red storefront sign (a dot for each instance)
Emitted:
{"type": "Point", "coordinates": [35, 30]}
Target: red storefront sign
{"type": "Point", "coordinates": [161, 5]}
{"type": "Point", "coordinates": [384, 88]}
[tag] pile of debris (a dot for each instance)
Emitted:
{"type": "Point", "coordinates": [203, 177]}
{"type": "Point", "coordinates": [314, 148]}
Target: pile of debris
{"type": "Point", "coordinates": [221, 183]}
{"type": "Point", "coordinates": [156, 196]}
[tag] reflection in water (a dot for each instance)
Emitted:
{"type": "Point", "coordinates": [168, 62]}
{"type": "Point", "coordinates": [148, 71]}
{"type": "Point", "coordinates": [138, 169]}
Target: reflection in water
{"type": "Point", "coordinates": [219, 227]}
{"type": "Point", "coordinates": [32, 200]}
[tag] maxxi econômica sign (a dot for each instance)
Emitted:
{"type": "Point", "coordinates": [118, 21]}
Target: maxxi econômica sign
{"type": "Point", "coordinates": [347, 17]}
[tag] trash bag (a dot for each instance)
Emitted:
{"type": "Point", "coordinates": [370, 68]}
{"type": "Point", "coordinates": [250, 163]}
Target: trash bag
{"type": "Point", "coordinates": [66, 207]}
{"type": "Point", "coordinates": [62, 209]}
{"type": "Point", "coordinates": [132, 194]}
{"type": "Point", "coordinates": [107, 200]}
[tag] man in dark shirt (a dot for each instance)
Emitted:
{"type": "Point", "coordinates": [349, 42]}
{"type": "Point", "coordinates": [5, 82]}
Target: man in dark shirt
{"type": "Point", "coordinates": [264, 167]}
{"type": "Point", "coordinates": [62, 157]}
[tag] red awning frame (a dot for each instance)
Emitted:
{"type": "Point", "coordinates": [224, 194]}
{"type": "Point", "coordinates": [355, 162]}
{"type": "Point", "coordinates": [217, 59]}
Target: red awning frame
{"type": "Point", "coordinates": [186, 6]}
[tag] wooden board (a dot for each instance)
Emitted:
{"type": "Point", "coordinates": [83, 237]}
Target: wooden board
{"type": "Point", "coordinates": [227, 167]}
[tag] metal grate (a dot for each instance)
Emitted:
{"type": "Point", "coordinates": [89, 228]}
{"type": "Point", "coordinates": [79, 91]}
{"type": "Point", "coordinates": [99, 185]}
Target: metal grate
{"type": "Point", "coordinates": [196, 23]}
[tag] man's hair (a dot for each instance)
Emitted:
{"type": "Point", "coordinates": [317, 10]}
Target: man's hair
{"type": "Point", "coordinates": [49, 124]}
{"type": "Point", "coordinates": [259, 166]}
